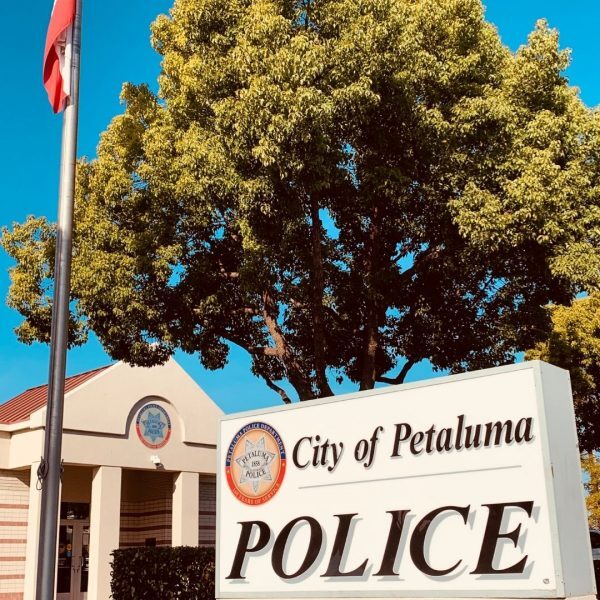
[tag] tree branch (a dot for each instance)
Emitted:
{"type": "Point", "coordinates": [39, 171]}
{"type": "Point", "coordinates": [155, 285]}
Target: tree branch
{"type": "Point", "coordinates": [400, 377]}
{"type": "Point", "coordinates": [252, 350]}
{"type": "Point", "coordinates": [280, 352]}
{"type": "Point", "coordinates": [246, 310]}
{"type": "Point", "coordinates": [330, 311]}
{"type": "Point", "coordinates": [265, 351]}
{"type": "Point", "coordinates": [276, 388]}
{"type": "Point", "coordinates": [294, 371]}
{"type": "Point", "coordinates": [420, 261]}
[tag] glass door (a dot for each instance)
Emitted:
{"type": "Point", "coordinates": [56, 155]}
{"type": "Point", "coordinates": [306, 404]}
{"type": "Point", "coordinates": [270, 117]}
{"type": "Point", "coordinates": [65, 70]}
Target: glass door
{"type": "Point", "coordinates": [82, 531]}
{"type": "Point", "coordinates": [73, 560]}
{"type": "Point", "coordinates": [64, 575]}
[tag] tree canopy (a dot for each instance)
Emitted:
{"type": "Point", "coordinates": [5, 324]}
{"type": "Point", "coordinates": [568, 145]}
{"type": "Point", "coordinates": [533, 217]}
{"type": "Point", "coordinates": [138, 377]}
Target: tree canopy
{"type": "Point", "coordinates": [574, 344]}
{"type": "Point", "coordinates": [341, 188]}
{"type": "Point", "coordinates": [591, 465]}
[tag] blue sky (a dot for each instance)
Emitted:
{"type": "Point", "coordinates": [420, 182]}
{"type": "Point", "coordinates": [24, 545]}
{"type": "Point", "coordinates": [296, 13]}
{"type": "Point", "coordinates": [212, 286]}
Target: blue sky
{"type": "Point", "coordinates": [116, 49]}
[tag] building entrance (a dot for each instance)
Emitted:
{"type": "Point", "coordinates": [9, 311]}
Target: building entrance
{"type": "Point", "coordinates": [73, 559]}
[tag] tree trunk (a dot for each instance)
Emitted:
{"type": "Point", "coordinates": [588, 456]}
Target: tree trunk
{"type": "Point", "coordinates": [371, 335]}
{"type": "Point", "coordinates": [318, 286]}
{"type": "Point", "coordinates": [294, 372]}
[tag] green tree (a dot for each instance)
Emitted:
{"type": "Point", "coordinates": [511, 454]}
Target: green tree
{"type": "Point", "coordinates": [341, 188]}
{"type": "Point", "coordinates": [591, 465]}
{"type": "Point", "coordinates": [574, 344]}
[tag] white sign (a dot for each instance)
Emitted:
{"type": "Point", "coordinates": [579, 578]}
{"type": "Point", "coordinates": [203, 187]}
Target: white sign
{"type": "Point", "coordinates": [461, 486]}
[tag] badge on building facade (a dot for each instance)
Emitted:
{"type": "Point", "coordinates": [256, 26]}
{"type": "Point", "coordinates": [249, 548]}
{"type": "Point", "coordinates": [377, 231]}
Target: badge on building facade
{"type": "Point", "coordinates": [153, 426]}
{"type": "Point", "coordinates": [255, 463]}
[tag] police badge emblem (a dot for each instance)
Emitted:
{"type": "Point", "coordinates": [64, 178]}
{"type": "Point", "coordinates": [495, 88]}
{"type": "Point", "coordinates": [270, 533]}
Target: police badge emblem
{"type": "Point", "coordinates": [255, 463]}
{"type": "Point", "coordinates": [153, 426]}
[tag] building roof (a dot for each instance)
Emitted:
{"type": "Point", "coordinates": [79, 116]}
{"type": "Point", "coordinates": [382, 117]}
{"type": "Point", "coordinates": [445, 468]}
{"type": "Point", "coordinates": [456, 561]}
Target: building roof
{"type": "Point", "coordinates": [21, 407]}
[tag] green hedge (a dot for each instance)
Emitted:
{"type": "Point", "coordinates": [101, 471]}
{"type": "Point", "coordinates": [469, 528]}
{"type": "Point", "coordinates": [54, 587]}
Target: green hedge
{"type": "Point", "coordinates": [163, 573]}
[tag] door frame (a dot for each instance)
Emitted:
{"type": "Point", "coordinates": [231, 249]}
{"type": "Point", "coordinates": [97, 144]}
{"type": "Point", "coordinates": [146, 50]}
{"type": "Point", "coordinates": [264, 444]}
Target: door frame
{"type": "Point", "coordinates": [77, 559]}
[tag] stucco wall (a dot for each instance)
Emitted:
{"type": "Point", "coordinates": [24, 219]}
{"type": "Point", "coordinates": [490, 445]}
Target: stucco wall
{"type": "Point", "coordinates": [77, 484]}
{"type": "Point", "coordinates": [4, 449]}
{"type": "Point", "coordinates": [103, 404]}
{"type": "Point", "coordinates": [26, 447]}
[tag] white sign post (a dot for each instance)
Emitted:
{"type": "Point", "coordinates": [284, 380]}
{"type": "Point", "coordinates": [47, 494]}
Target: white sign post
{"type": "Point", "coordinates": [464, 486]}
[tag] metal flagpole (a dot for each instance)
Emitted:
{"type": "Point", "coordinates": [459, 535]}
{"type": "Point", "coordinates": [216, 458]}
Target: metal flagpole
{"type": "Point", "coordinates": [50, 467]}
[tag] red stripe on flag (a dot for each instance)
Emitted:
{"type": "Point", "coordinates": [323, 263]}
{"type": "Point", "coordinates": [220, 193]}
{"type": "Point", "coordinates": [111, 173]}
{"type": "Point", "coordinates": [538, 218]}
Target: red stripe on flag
{"type": "Point", "coordinates": [63, 16]}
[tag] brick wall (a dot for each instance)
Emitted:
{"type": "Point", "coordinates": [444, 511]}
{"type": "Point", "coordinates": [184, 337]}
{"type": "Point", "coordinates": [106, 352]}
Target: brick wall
{"type": "Point", "coordinates": [14, 504]}
{"type": "Point", "coordinates": [208, 511]}
{"type": "Point", "coordinates": [143, 520]}
{"type": "Point", "coordinates": [146, 507]}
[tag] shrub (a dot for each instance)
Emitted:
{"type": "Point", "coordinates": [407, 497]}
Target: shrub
{"type": "Point", "coordinates": [163, 573]}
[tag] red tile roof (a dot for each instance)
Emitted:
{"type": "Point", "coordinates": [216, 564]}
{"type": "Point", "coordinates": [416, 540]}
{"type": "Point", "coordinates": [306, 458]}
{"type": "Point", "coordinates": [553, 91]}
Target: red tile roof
{"type": "Point", "coordinates": [20, 407]}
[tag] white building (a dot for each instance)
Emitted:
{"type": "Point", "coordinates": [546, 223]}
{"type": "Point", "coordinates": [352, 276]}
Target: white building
{"type": "Point", "coordinates": [139, 450]}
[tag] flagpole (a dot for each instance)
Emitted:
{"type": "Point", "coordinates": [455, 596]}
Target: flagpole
{"type": "Point", "coordinates": [50, 467]}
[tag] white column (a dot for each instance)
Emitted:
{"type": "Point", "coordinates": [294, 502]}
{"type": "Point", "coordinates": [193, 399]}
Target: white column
{"type": "Point", "coordinates": [186, 506]}
{"type": "Point", "coordinates": [105, 521]}
{"type": "Point", "coordinates": [33, 534]}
